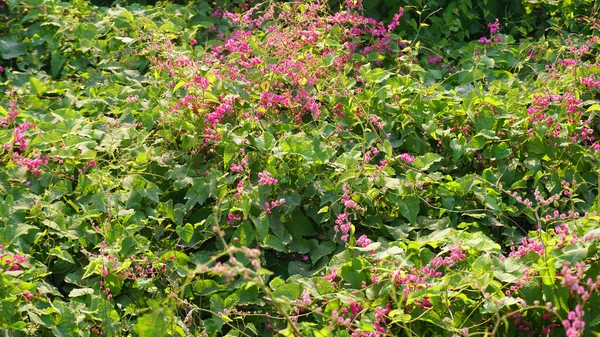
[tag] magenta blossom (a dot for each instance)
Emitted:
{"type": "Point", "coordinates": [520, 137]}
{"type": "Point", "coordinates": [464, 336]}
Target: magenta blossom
{"type": "Point", "coordinates": [407, 158]}
{"type": "Point", "coordinates": [485, 40]}
{"type": "Point", "coordinates": [494, 27]}
{"type": "Point", "coordinates": [265, 178]}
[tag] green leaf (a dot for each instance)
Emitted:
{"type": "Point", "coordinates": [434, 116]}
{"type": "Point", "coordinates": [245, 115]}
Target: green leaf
{"type": "Point", "coordinates": [291, 291]}
{"type": "Point", "coordinates": [87, 36]}
{"type": "Point", "coordinates": [476, 143]}
{"type": "Point", "coordinates": [275, 243]}
{"type": "Point", "coordinates": [197, 194]}
{"type": "Point", "coordinates": [318, 250]}
{"type": "Point", "coordinates": [228, 154]}
{"type": "Point", "coordinates": [153, 324]}
{"type": "Point", "coordinates": [63, 255]}
{"type": "Point", "coordinates": [547, 270]}
{"type": "Point", "coordinates": [10, 48]}
{"type": "Point", "coordinates": [300, 225]}
{"type": "Point", "coordinates": [322, 151]}
{"type": "Point", "coordinates": [575, 253]}
{"type": "Point", "coordinates": [81, 292]}
{"type": "Point", "coordinates": [252, 327]}
{"type": "Point", "coordinates": [595, 321]}
{"type": "Point", "coordinates": [185, 232]}
{"type": "Point", "coordinates": [206, 287]}
{"type": "Point", "coordinates": [593, 107]}
{"type": "Point", "coordinates": [372, 247]}
{"type": "Point", "coordinates": [206, 24]}
{"type": "Point", "coordinates": [12, 4]}
{"type": "Point", "coordinates": [38, 88]}
{"type": "Point", "coordinates": [170, 27]}
{"type": "Point", "coordinates": [178, 86]}
{"type": "Point", "coordinates": [248, 294]}
{"type": "Point", "coordinates": [262, 226]}
{"type": "Point", "coordinates": [324, 286]}
{"type": "Point", "coordinates": [298, 144]}
{"type": "Point", "coordinates": [18, 325]}
{"type": "Point", "coordinates": [300, 268]}
{"type": "Point", "coordinates": [501, 151]}
{"type": "Point", "coordinates": [376, 75]}
{"type": "Point", "coordinates": [458, 148]}
{"type": "Point", "coordinates": [265, 141]}
{"type": "Point", "coordinates": [409, 208]}
{"type": "Point", "coordinates": [425, 161]}
{"type": "Point", "coordinates": [352, 273]}
{"type": "Point", "coordinates": [92, 268]}
{"type": "Point", "coordinates": [485, 120]}
{"type": "Point", "coordinates": [245, 233]}
{"type": "Point", "coordinates": [481, 267]}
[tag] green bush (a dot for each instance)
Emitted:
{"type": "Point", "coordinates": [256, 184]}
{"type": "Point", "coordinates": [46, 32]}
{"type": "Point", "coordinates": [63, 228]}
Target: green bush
{"type": "Point", "coordinates": [302, 169]}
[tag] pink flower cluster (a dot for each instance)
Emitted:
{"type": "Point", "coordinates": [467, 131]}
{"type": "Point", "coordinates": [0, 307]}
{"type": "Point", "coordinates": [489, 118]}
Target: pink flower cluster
{"type": "Point", "coordinates": [201, 82]}
{"type": "Point", "coordinates": [456, 254]}
{"type": "Point", "coordinates": [527, 245]}
{"type": "Point", "coordinates": [407, 158]}
{"type": "Point", "coordinates": [19, 136]}
{"type": "Point", "coordinates": [231, 217]}
{"type": "Point", "coordinates": [236, 168]}
{"type": "Point", "coordinates": [542, 201]}
{"type": "Point", "coordinates": [273, 100]}
{"type": "Point", "coordinates": [132, 99]}
{"type": "Point", "coordinates": [494, 29]}
{"type": "Point", "coordinates": [573, 279]}
{"type": "Point", "coordinates": [28, 295]}
{"type": "Point", "coordinates": [12, 111]}
{"type": "Point", "coordinates": [396, 20]}
{"type": "Point", "coordinates": [265, 178]}
{"type": "Point", "coordinates": [520, 282]}
{"type": "Point", "coordinates": [32, 164]}
{"type": "Point", "coordinates": [434, 59]}
{"type": "Point", "coordinates": [354, 4]}
{"type": "Point", "coordinates": [12, 260]}
{"type": "Point", "coordinates": [563, 230]}
{"type": "Point", "coordinates": [574, 322]}
{"type": "Point", "coordinates": [342, 224]}
{"type": "Point", "coordinates": [364, 242]}
{"type": "Point", "coordinates": [273, 204]}
{"type": "Point", "coordinates": [381, 318]}
{"type": "Point", "coordinates": [413, 279]}
{"type": "Point", "coordinates": [331, 276]}
{"type": "Point", "coordinates": [347, 199]}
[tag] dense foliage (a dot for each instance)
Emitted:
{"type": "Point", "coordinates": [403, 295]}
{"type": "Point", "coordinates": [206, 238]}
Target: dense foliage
{"type": "Point", "coordinates": [301, 169]}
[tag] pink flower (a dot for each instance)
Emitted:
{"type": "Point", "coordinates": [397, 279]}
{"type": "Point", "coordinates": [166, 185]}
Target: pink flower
{"type": "Point", "coordinates": [236, 168]}
{"type": "Point", "coordinates": [28, 295]}
{"type": "Point", "coordinates": [332, 275]}
{"type": "Point", "coordinates": [396, 20]}
{"type": "Point", "coordinates": [434, 59]}
{"type": "Point", "coordinates": [494, 27]}
{"type": "Point", "coordinates": [407, 158]}
{"type": "Point", "coordinates": [485, 40]}
{"type": "Point", "coordinates": [201, 81]}
{"type": "Point", "coordinates": [354, 4]}
{"type": "Point", "coordinates": [265, 178]}
{"type": "Point", "coordinates": [363, 241]}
